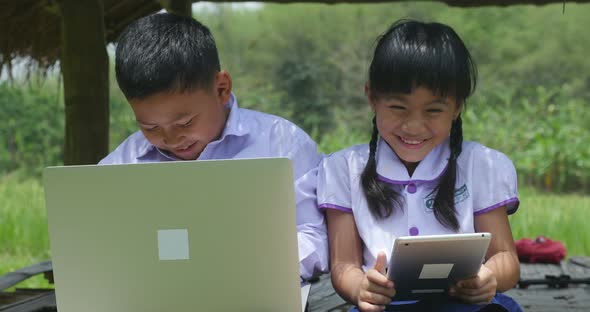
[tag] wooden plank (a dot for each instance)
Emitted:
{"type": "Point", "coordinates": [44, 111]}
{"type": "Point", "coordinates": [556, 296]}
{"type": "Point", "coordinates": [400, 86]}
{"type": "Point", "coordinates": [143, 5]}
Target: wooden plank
{"type": "Point", "coordinates": [43, 302]}
{"type": "Point", "coordinates": [575, 298]}
{"type": "Point", "coordinates": [541, 298]}
{"type": "Point", "coordinates": [323, 297]}
{"type": "Point", "coordinates": [544, 299]}
{"type": "Point", "coordinates": [12, 278]}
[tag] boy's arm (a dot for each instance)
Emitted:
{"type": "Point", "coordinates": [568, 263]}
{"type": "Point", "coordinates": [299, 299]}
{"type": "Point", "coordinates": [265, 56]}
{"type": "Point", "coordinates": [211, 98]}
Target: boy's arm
{"type": "Point", "coordinates": [311, 226]}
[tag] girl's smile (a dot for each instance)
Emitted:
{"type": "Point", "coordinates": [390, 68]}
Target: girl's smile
{"type": "Point", "coordinates": [411, 143]}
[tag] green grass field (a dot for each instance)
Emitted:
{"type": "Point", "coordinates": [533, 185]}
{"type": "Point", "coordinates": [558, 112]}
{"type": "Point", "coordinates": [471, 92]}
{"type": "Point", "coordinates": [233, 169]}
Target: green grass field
{"type": "Point", "coordinates": [560, 217]}
{"type": "Point", "coordinates": [23, 225]}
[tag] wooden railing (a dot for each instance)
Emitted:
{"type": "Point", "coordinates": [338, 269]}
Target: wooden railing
{"type": "Point", "coordinates": [27, 300]}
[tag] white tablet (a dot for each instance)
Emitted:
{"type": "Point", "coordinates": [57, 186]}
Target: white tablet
{"type": "Point", "coordinates": [425, 266]}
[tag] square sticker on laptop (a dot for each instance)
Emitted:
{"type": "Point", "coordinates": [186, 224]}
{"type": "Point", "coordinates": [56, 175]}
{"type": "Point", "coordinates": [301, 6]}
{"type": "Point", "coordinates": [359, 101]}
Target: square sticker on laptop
{"type": "Point", "coordinates": [173, 244]}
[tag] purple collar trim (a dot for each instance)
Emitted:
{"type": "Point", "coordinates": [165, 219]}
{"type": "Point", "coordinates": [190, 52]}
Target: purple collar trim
{"type": "Point", "coordinates": [384, 179]}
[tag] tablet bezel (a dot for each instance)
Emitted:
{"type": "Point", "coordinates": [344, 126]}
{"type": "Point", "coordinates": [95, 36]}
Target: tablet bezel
{"type": "Point", "coordinates": [425, 266]}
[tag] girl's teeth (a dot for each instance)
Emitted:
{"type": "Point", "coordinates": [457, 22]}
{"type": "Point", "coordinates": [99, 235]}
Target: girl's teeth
{"type": "Point", "coordinates": [411, 141]}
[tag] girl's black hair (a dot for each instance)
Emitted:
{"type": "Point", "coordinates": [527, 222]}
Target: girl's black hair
{"type": "Point", "coordinates": [414, 54]}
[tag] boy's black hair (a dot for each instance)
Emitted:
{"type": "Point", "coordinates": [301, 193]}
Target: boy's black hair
{"type": "Point", "coordinates": [165, 53]}
{"type": "Point", "coordinates": [414, 54]}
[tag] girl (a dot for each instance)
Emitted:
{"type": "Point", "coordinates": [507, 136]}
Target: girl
{"type": "Point", "coordinates": [417, 176]}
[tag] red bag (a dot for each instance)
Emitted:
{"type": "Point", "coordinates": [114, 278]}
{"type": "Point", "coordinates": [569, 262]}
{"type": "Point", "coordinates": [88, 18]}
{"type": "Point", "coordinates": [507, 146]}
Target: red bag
{"type": "Point", "coordinates": [540, 250]}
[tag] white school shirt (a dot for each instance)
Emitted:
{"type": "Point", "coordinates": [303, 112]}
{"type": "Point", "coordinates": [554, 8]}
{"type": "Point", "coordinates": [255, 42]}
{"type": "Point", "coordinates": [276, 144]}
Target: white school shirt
{"type": "Point", "coordinates": [486, 180]}
{"type": "Point", "coordinates": [252, 134]}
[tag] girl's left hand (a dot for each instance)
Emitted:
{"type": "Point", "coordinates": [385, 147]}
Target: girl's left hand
{"type": "Point", "coordinates": [478, 289]}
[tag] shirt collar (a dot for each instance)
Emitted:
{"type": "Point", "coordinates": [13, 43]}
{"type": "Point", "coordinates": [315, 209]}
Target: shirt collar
{"type": "Point", "coordinates": [234, 126]}
{"type": "Point", "coordinates": [392, 170]}
{"type": "Point", "coordinates": [144, 148]}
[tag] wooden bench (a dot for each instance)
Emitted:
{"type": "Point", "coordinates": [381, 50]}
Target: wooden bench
{"type": "Point", "coordinates": [548, 297]}
{"type": "Point", "coordinates": [534, 298]}
{"type": "Point", "coordinates": [27, 300]}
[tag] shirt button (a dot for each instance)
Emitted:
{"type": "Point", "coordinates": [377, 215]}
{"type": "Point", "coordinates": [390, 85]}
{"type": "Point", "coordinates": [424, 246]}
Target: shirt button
{"type": "Point", "coordinates": [411, 188]}
{"type": "Point", "coordinates": [414, 231]}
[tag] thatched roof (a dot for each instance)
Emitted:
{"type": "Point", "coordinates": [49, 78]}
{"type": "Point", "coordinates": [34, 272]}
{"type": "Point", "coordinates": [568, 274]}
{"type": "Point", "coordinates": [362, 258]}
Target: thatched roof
{"type": "Point", "coordinates": [457, 3]}
{"type": "Point", "coordinates": [32, 27]}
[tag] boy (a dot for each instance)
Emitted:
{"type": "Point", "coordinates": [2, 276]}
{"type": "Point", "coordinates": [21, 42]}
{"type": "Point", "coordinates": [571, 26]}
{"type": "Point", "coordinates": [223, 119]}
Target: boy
{"type": "Point", "coordinates": [168, 68]}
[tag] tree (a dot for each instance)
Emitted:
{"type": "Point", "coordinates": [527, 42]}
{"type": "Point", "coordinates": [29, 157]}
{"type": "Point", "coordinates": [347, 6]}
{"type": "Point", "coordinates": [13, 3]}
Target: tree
{"type": "Point", "coordinates": [84, 64]}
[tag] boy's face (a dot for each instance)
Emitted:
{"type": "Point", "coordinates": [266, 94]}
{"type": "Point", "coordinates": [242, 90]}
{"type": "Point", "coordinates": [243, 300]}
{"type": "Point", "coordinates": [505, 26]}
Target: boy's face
{"type": "Point", "coordinates": [184, 123]}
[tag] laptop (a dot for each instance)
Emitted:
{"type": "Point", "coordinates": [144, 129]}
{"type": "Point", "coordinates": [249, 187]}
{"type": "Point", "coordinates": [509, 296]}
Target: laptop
{"type": "Point", "coordinates": [423, 267]}
{"type": "Point", "coordinates": [215, 235]}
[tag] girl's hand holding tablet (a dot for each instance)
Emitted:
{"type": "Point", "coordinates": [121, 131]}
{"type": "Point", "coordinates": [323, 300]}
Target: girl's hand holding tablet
{"type": "Point", "coordinates": [478, 289]}
{"type": "Point", "coordinates": [376, 290]}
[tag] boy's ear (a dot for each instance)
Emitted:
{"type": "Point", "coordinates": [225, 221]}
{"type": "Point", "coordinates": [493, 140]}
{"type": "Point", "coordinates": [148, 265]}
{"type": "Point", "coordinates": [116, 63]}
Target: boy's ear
{"type": "Point", "coordinates": [223, 85]}
{"type": "Point", "coordinates": [369, 97]}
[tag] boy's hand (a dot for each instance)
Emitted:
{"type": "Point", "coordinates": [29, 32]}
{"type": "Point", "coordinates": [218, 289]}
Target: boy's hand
{"type": "Point", "coordinates": [478, 289]}
{"type": "Point", "coordinates": [376, 290]}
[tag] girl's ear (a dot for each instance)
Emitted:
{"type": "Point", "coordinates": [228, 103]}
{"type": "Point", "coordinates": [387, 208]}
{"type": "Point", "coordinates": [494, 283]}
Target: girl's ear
{"type": "Point", "coordinates": [369, 97]}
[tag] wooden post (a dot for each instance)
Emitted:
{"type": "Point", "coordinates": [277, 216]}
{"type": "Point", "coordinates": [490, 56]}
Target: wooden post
{"type": "Point", "coordinates": [180, 7]}
{"type": "Point", "coordinates": [84, 65]}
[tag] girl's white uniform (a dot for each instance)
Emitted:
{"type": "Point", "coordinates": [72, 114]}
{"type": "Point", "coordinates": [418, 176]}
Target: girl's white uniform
{"type": "Point", "coordinates": [486, 180]}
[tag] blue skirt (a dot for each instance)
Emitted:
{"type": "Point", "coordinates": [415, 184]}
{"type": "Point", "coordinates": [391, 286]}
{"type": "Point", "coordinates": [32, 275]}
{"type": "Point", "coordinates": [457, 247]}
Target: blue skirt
{"type": "Point", "coordinates": [500, 302]}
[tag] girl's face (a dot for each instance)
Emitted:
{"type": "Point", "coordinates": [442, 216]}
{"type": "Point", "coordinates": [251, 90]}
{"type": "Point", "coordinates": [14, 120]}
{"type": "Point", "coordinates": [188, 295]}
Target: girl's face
{"type": "Point", "coordinates": [414, 124]}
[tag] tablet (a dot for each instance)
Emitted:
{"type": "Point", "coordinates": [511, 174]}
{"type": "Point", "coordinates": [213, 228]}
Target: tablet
{"type": "Point", "coordinates": [424, 267]}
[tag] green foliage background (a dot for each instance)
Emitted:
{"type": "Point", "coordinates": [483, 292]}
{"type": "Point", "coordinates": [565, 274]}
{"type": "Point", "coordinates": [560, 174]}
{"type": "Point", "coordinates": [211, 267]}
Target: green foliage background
{"type": "Point", "coordinates": [308, 63]}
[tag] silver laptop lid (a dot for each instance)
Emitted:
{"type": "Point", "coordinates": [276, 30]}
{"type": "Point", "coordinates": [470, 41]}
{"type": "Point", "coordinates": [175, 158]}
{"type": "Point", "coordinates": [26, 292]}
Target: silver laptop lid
{"type": "Point", "coordinates": [177, 236]}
